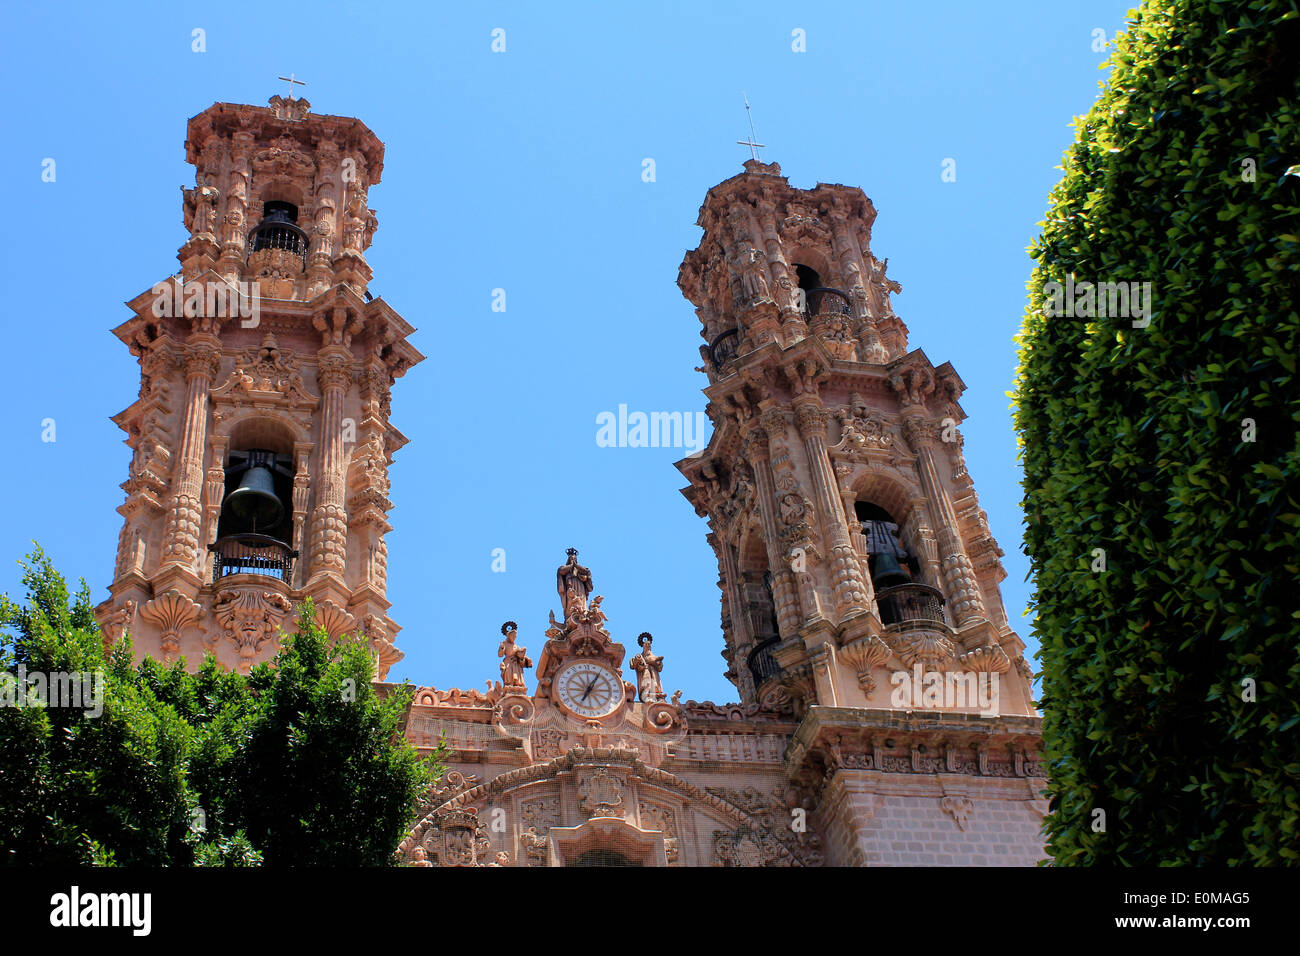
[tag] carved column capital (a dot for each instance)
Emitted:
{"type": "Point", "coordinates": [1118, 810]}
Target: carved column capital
{"type": "Point", "coordinates": [202, 359]}
{"type": "Point", "coordinates": [334, 368]}
{"type": "Point", "coordinates": [811, 419]}
{"type": "Point", "coordinates": [776, 420]}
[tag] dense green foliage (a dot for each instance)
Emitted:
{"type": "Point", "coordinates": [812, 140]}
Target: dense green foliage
{"type": "Point", "coordinates": [1135, 441]}
{"type": "Point", "coordinates": [300, 763]}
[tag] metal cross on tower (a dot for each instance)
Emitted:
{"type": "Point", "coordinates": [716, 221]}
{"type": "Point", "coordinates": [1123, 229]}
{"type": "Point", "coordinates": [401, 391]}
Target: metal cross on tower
{"type": "Point", "coordinates": [291, 81]}
{"type": "Point", "coordinates": [753, 146]}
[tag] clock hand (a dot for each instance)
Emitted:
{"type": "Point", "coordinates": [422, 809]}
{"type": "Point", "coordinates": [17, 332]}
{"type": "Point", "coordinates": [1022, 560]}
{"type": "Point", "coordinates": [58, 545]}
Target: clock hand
{"type": "Point", "coordinates": [588, 690]}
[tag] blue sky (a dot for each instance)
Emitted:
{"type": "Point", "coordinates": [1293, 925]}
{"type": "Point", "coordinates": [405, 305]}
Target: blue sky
{"type": "Point", "coordinates": [522, 171]}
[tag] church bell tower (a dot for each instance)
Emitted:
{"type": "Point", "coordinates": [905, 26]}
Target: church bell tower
{"type": "Point", "coordinates": [261, 437]}
{"type": "Point", "coordinates": [856, 567]}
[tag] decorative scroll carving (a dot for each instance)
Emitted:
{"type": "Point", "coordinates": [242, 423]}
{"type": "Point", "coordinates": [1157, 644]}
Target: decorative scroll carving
{"type": "Point", "coordinates": [116, 624]}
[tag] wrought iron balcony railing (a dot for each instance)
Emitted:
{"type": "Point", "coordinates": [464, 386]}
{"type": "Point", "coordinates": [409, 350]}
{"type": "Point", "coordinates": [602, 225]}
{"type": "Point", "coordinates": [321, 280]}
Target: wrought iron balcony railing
{"type": "Point", "coordinates": [278, 234]}
{"type": "Point", "coordinates": [762, 665]}
{"type": "Point", "coordinates": [906, 606]}
{"type": "Point", "coordinates": [723, 349]}
{"type": "Point", "coordinates": [822, 301]}
{"type": "Point", "coordinates": [251, 554]}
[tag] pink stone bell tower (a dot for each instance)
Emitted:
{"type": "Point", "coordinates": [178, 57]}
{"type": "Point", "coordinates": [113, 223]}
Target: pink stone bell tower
{"type": "Point", "coordinates": [261, 436]}
{"type": "Point", "coordinates": [850, 543]}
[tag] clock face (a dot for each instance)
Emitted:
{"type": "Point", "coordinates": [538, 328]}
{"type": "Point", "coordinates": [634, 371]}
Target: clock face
{"type": "Point", "coordinates": [588, 689]}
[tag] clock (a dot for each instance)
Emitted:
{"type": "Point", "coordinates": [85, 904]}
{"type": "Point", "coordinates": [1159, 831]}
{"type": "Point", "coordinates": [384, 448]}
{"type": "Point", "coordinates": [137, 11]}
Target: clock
{"type": "Point", "coordinates": [588, 689]}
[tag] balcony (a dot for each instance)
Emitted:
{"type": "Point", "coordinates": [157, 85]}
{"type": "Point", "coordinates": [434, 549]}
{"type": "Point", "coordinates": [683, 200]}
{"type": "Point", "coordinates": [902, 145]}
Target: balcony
{"type": "Point", "coordinates": [281, 244]}
{"type": "Point", "coordinates": [907, 606]}
{"type": "Point", "coordinates": [822, 301]}
{"type": "Point", "coordinates": [723, 349]}
{"type": "Point", "coordinates": [252, 554]}
{"type": "Point", "coordinates": [762, 665]}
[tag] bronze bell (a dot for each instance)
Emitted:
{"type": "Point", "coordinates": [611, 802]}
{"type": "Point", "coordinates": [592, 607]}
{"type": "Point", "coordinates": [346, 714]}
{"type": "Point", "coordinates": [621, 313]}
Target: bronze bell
{"type": "Point", "coordinates": [254, 501]}
{"type": "Point", "coordinates": [889, 572]}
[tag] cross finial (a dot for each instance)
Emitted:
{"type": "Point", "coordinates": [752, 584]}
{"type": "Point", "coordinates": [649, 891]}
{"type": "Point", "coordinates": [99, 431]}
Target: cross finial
{"type": "Point", "coordinates": [753, 146]}
{"type": "Point", "coordinates": [291, 81]}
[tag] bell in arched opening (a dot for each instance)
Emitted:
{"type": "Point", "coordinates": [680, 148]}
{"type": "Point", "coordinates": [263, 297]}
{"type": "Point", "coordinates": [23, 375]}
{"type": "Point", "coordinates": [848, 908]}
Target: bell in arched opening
{"type": "Point", "coordinates": [254, 503]}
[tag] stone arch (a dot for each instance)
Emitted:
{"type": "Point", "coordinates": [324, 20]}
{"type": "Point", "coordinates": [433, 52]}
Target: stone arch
{"type": "Point", "coordinates": [817, 260]}
{"type": "Point", "coordinates": [745, 827]}
{"type": "Point", "coordinates": [259, 428]}
{"type": "Point", "coordinates": [888, 489]}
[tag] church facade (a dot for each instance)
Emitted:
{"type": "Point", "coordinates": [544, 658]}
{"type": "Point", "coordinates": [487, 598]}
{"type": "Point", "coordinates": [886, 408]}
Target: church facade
{"type": "Point", "coordinates": [884, 713]}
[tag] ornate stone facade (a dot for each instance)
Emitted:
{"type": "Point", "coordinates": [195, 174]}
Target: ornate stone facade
{"type": "Point", "coordinates": [884, 712]}
{"type": "Point", "coordinates": [264, 356]}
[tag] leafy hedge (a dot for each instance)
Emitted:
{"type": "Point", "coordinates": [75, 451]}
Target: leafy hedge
{"type": "Point", "coordinates": [1134, 441]}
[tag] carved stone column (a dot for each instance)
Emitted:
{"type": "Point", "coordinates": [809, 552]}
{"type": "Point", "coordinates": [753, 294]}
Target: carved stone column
{"type": "Point", "coordinates": [962, 589]}
{"type": "Point", "coordinates": [329, 520]}
{"type": "Point", "coordinates": [234, 245]}
{"type": "Point", "coordinates": [784, 592]}
{"type": "Point", "coordinates": [742, 632]}
{"type": "Point", "coordinates": [848, 585]}
{"type": "Point", "coordinates": [184, 527]}
{"type": "Point", "coordinates": [213, 493]}
{"type": "Point", "coordinates": [301, 495]}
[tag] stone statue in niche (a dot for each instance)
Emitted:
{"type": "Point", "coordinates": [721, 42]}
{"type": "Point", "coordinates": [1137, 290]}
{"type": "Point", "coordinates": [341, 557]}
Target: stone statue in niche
{"type": "Point", "coordinates": [648, 666]}
{"type": "Point", "coordinates": [513, 657]}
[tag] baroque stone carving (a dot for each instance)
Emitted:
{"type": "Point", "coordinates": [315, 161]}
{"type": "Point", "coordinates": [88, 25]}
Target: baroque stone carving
{"type": "Point", "coordinates": [456, 838]}
{"type": "Point", "coordinates": [172, 611]}
{"type": "Point", "coordinates": [250, 618]}
{"type": "Point", "coordinates": [957, 807]}
{"type": "Point", "coordinates": [601, 795]}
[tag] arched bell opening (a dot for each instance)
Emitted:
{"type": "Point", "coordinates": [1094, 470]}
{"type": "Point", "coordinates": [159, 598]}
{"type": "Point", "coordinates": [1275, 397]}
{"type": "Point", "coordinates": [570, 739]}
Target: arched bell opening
{"type": "Point", "coordinates": [278, 232]}
{"type": "Point", "coordinates": [759, 602]}
{"type": "Point", "coordinates": [902, 599]}
{"type": "Point", "coordinates": [255, 526]}
{"type": "Point", "coordinates": [817, 297]}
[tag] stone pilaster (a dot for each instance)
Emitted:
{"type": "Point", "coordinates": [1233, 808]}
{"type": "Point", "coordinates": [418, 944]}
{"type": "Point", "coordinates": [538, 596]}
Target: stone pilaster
{"type": "Point", "coordinates": [184, 524]}
{"type": "Point", "coordinates": [784, 592]}
{"type": "Point", "coordinates": [329, 520]}
{"type": "Point", "coordinates": [848, 584]}
{"type": "Point", "coordinates": [962, 590]}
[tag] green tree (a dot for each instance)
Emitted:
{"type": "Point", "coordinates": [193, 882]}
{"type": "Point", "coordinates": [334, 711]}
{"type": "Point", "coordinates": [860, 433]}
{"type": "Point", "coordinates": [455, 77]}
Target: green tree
{"type": "Point", "coordinates": [1161, 459]}
{"type": "Point", "coordinates": [300, 763]}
